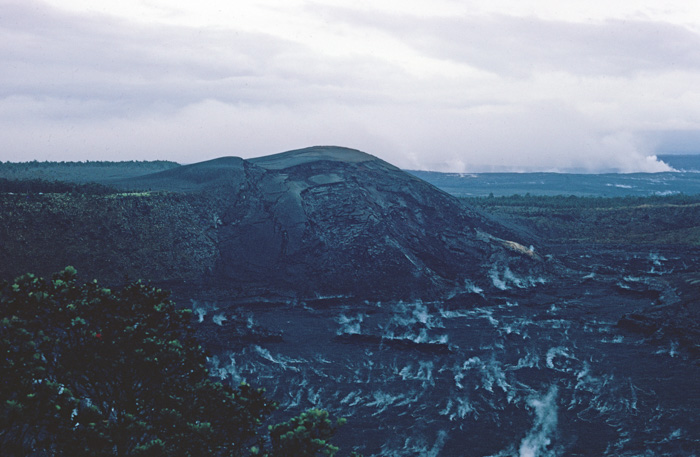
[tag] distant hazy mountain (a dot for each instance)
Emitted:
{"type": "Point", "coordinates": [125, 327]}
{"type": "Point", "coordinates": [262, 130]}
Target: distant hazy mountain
{"type": "Point", "coordinates": [689, 162]}
{"type": "Point", "coordinates": [684, 181]}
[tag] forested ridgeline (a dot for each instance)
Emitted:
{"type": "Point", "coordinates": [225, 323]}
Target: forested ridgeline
{"type": "Point", "coordinates": [36, 186]}
{"type": "Point", "coordinates": [81, 172]}
{"type": "Point", "coordinates": [673, 219]}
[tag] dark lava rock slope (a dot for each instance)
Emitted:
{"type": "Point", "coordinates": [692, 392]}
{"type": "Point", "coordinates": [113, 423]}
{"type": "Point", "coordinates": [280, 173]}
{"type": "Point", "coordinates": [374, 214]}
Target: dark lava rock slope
{"type": "Point", "coordinates": [328, 222]}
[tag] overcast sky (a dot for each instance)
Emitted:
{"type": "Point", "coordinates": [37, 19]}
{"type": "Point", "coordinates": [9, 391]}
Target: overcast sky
{"type": "Point", "coordinates": [448, 85]}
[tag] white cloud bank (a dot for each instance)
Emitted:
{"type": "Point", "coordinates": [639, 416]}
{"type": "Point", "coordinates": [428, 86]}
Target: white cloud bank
{"type": "Point", "coordinates": [448, 89]}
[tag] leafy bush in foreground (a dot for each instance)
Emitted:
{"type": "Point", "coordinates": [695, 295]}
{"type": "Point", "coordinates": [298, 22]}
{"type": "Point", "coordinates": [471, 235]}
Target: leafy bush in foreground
{"type": "Point", "coordinates": [87, 371]}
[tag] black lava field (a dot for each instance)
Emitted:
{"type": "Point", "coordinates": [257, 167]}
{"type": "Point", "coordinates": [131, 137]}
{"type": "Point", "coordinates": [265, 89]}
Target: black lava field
{"type": "Point", "coordinates": [544, 370]}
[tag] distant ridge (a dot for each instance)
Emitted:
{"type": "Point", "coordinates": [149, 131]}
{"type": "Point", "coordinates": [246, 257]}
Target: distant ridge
{"type": "Point", "coordinates": [685, 162]}
{"type": "Point", "coordinates": [581, 185]}
{"type": "Point", "coordinates": [224, 171]}
{"type": "Point", "coordinates": [82, 172]}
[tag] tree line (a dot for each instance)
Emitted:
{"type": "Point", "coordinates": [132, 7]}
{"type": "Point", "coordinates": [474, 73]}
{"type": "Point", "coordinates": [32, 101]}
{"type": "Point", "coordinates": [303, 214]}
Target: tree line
{"type": "Point", "coordinates": [33, 186]}
{"type": "Point", "coordinates": [88, 163]}
{"type": "Point", "coordinates": [573, 201]}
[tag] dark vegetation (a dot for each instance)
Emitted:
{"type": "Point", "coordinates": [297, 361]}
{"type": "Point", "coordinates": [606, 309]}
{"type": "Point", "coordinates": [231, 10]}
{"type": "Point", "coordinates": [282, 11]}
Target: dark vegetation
{"type": "Point", "coordinates": [37, 186]}
{"type": "Point", "coordinates": [90, 371]}
{"type": "Point", "coordinates": [654, 220]}
{"type": "Point", "coordinates": [81, 172]}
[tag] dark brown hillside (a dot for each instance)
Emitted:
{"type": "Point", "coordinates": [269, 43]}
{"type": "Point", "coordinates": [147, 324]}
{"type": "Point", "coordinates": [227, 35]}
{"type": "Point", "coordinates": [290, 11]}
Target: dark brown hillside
{"type": "Point", "coordinates": [110, 237]}
{"type": "Point", "coordinates": [322, 221]}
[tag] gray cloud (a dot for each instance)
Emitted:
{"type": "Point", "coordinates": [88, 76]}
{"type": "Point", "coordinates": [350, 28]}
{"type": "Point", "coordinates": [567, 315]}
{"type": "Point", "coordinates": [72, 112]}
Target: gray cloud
{"type": "Point", "coordinates": [520, 46]}
{"type": "Point", "coordinates": [523, 45]}
{"type": "Point", "coordinates": [674, 141]}
{"type": "Point", "coordinates": [77, 87]}
{"type": "Point", "coordinates": [128, 67]}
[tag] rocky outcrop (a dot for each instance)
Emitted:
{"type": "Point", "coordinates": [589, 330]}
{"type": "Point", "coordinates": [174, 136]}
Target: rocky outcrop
{"type": "Point", "coordinates": [329, 221]}
{"type": "Point", "coordinates": [313, 223]}
{"type": "Point", "coordinates": [673, 322]}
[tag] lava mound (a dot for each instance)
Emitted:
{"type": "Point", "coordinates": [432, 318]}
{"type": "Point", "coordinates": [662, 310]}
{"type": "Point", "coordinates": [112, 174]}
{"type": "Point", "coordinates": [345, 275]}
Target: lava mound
{"type": "Point", "coordinates": [314, 224]}
{"type": "Point", "coordinates": [331, 221]}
